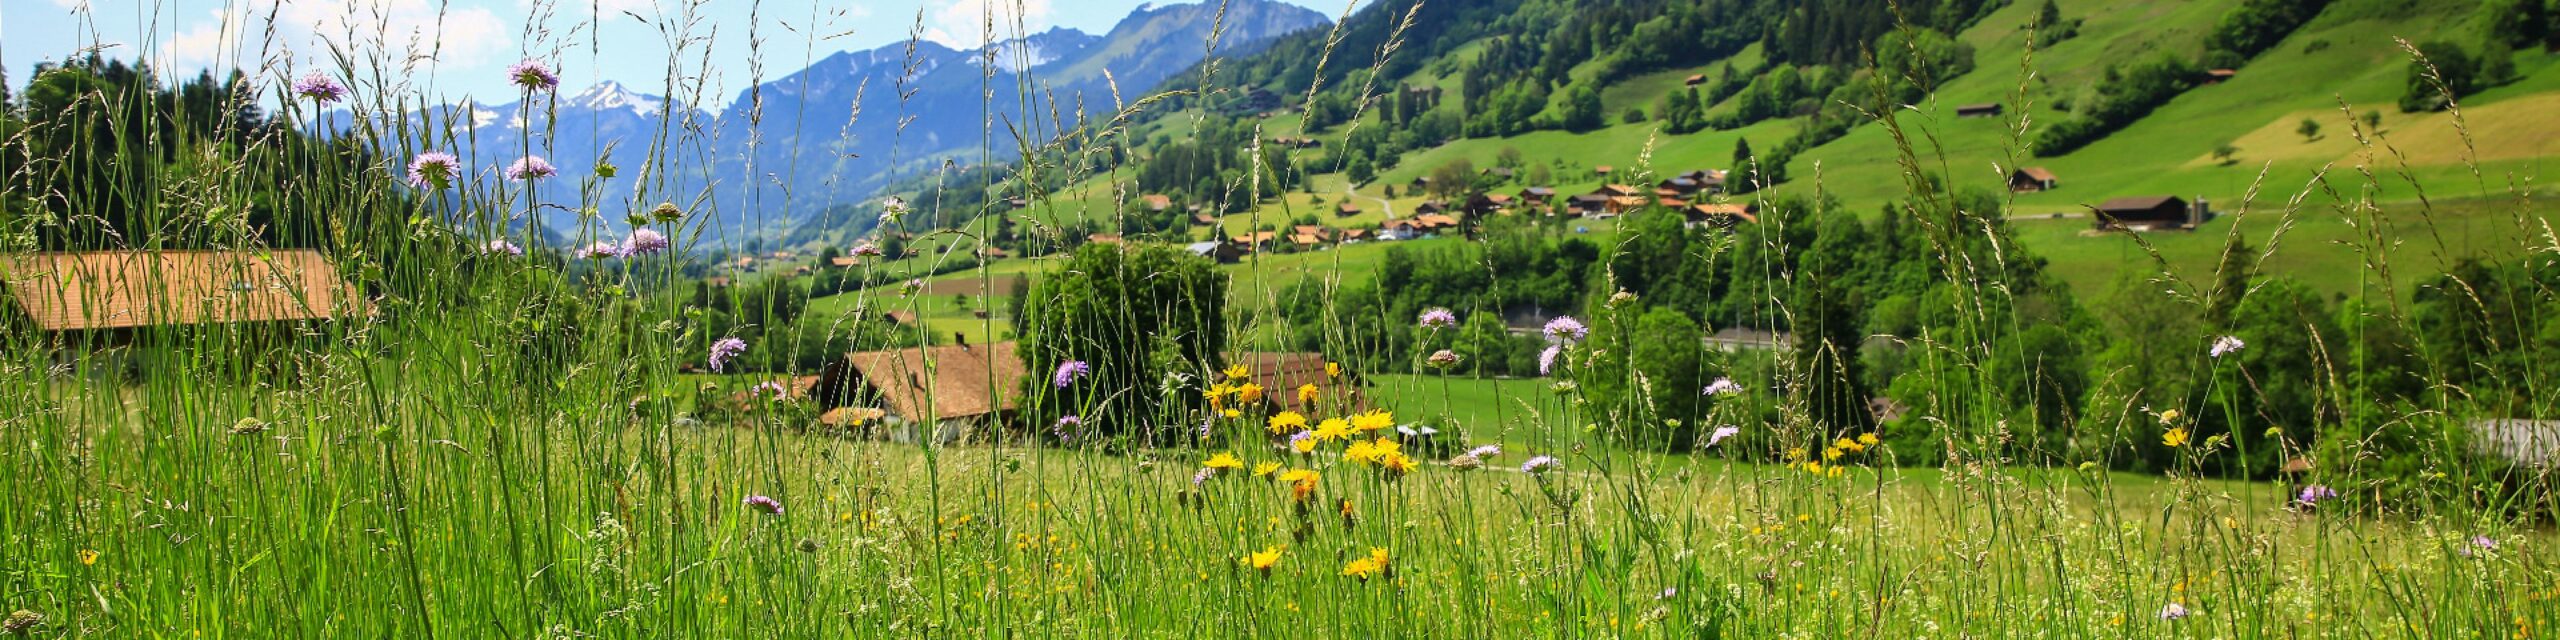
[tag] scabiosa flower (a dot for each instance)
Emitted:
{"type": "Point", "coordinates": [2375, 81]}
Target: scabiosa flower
{"type": "Point", "coordinates": [1721, 387]}
{"type": "Point", "coordinates": [866, 250]}
{"type": "Point", "coordinates": [770, 389]}
{"type": "Point", "coordinates": [1068, 372]}
{"type": "Point", "coordinates": [2226, 345]}
{"type": "Point", "coordinates": [644, 242]}
{"type": "Point", "coordinates": [766, 504]}
{"type": "Point", "coordinates": [666, 212]}
{"type": "Point", "coordinates": [723, 350]}
{"type": "Point", "coordinates": [1302, 442]}
{"type": "Point", "coordinates": [1439, 318]}
{"type": "Point", "coordinates": [1203, 477]}
{"type": "Point", "coordinates": [1721, 433]}
{"type": "Point", "coordinates": [1486, 451]}
{"type": "Point", "coordinates": [2174, 611]}
{"type": "Point", "coordinates": [2313, 494]}
{"type": "Point", "coordinates": [912, 286]}
{"type": "Point", "coordinates": [1566, 329]}
{"type": "Point", "coordinates": [501, 248]}
{"type": "Point", "coordinates": [601, 251]}
{"type": "Point", "coordinates": [1540, 465]}
{"type": "Point", "coordinates": [533, 75]}
{"type": "Point", "coordinates": [1466, 462]}
{"type": "Point", "coordinates": [1067, 427]}
{"type": "Point", "coordinates": [891, 209]}
{"type": "Point", "coordinates": [434, 170]}
{"type": "Point", "coordinates": [320, 88]}
{"type": "Point", "coordinates": [530, 168]}
{"type": "Point", "coordinates": [2479, 544]}
{"type": "Point", "coordinates": [1444, 359]}
{"type": "Point", "coordinates": [1547, 358]}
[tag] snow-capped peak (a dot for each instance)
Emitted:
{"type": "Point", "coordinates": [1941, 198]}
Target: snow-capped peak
{"type": "Point", "coordinates": [611, 95]}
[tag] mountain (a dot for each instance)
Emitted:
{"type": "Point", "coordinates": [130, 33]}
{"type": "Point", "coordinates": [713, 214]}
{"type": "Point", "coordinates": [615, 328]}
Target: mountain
{"type": "Point", "coordinates": [607, 123]}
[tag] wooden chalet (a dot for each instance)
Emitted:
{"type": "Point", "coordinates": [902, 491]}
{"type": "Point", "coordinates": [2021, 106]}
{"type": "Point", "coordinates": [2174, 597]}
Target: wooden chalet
{"type": "Point", "coordinates": [1980, 110]}
{"type": "Point", "coordinates": [1484, 203]}
{"type": "Point", "coordinates": [2032, 179]}
{"type": "Point", "coordinates": [1430, 206]}
{"type": "Point", "coordinates": [1539, 195]}
{"type": "Point", "coordinates": [1222, 252]}
{"type": "Point", "coordinates": [1156, 202]}
{"type": "Point", "coordinates": [1721, 215]}
{"type": "Point", "coordinates": [958, 388]}
{"type": "Point", "coordinates": [2148, 213]}
{"type": "Point", "coordinates": [1346, 209]}
{"type": "Point", "coordinates": [1103, 238]}
{"type": "Point", "coordinates": [2216, 76]}
{"type": "Point", "coordinates": [1694, 79]}
{"type": "Point", "coordinates": [124, 290]}
{"type": "Point", "coordinates": [1281, 374]}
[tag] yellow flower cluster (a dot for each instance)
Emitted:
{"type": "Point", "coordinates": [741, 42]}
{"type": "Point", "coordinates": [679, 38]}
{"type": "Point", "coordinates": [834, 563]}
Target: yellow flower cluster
{"type": "Point", "coordinates": [1373, 565]}
{"type": "Point", "coordinates": [1797, 458]}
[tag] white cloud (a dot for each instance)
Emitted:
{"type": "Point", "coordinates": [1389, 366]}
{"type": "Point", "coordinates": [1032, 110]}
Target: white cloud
{"type": "Point", "coordinates": [423, 33]}
{"type": "Point", "coordinates": [965, 24]}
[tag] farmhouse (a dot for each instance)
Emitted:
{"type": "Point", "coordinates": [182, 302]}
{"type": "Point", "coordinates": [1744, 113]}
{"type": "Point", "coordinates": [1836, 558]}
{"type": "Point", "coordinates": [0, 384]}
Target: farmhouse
{"type": "Point", "coordinates": [1255, 241]}
{"type": "Point", "coordinates": [1320, 232]}
{"type": "Point", "coordinates": [1282, 373]}
{"type": "Point", "coordinates": [1346, 209]}
{"type": "Point", "coordinates": [2148, 213]}
{"type": "Point", "coordinates": [1982, 110]}
{"type": "Point", "coordinates": [1602, 170]}
{"type": "Point", "coordinates": [1538, 195]}
{"type": "Point", "coordinates": [1222, 252]}
{"type": "Point", "coordinates": [1587, 204]}
{"type": "Point", "coordinates": [2216, 76]}
{"type": "Point", "coordinates": [1156, 202]}
{"type": "Point", "coordinates": [1204, 219]}
{"type": "Point", "coordinates": [1430, 206]}
{"type": "Point", "coordinates": [962, 386]}
{"type": "Point", "coordinates": [119, 290]}
{"type": "Point", "coordinates": [1434, 222]}
{"type": "Point", "coordinates": [1694, 79]}
{"type": "Point", "coordinates": [1103, 238]}
{"type": "Point", "coordinates": [843, 262]}
{"type": "Point", "coordinates": [2032, 179]}
{"type": "Point", "coordinates": [1484, 203]}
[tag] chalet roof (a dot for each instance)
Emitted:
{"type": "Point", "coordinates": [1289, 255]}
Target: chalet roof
{"type": "Point", "coordinates": [1347, 207]}
{"type": "Point", "coordinates": [1283, 373]}
{"type": "Point", "coordinates": [1306, 238]}
{"type": "Point", "coordinates": [1311, 229]}
{"type": "Point", "coordinates": [1156, 201]}
{"type": "Point", "coordinates": [1257, 237]}
{"type": "Point", "coordinates": [1204, 219]}
{"type": "Point", "coordinates": [116, 289]}
{"type": "Point", "coordinates": [1435, 220]}
{"type": "Point", "coordinates": [1602, 169]}
{"type": "Point", "coordinates": [952, 381]}
{"type": "Point", "coordinates": [2140, 203]}
{"type": "Point", "coordinates": [843, 261]}
{"type": "Point", "coordinates": [1616, 190]}
{"type": "Point", "coordinates": [1538, 191]}
{"type": "Point", "coordinates": [2038, 174]}
{"type": "Point", "coordinates": [1103, 238]}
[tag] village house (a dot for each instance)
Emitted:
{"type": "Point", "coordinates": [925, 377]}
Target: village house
{"type": "Point", "coordinates": [1281, 374]}
{"type": "Point", "coordinates": [2149, 213]}
{"type": "Point", "coordinates": [1255, 241]}
{"type": "Point", "coordinates": [843, 262]}
{"type": "Point", "coordinates": [1156, 202]}
{"type": "Point", "coordinates": [1430, 206]}
{"type": "Point", "coordinates": [1223, 253]}
{"type": "Point", "coordinates": [1980, 110]}
{"type": "Point", "coordinates": [1484, 203]}
{"type": "Point", "coordinates": [1102, 238]}
{"type": "Point", "coordinates": [1722, 216]}
{"type": "Point", "coordinates": [1694, 79]}
{"type": "Point", "coordinates": [109, 292]}
{"type": "Point", "coordinates": [2217, 76]}
{"type": "Point", "coordinates": [1204, 219]}
{"type": "Point", "coordinates": [2032, 179]}
{"type": "Point", "coordinates": [954, 393]}
{"type": "Point", "coordinates": [1320, 232]}
{"type": "Point", "coordinates": [1538, 195]}
{"type": "Point", "coordinates": [1346, 209]}
{"type": "Point", "coordinates": [1602, 171]}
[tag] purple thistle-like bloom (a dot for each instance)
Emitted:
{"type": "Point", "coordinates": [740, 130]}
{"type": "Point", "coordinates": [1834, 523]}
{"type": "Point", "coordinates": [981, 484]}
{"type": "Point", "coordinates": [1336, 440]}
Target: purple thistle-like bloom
{"type": "Point", "coordinates": [434, 170]}
{"type": "Point", "coordinates": [644, 242]}
{"type": "Point", "coordinates": [1540, 465]}
{"type": "Point", "coordinates": [1066, 428]}
{"type": "Point", "coordinates": [1547, 358]}
{"type": "Point", "coordinates": [1667, 592]}
{"type": "Point", "coordinates": [501, 247]}
{"type": "Point", "coordinates": [867, 250]}
{"type": "Point", "coordinates": [2174, 611]}
{"type": "Point", "coordinates": [1439, 318]}
{"type": "Point", "coordinates": [1721, 387]}
{"type": "Point", "coordinates": [1299, 437]}
{"type": "Point", "coordinates": [533, 75]}
{"type": "Point", "coordinates": [2313, 494]}
{"type": "Point", "coordinates": [2479, 544]}
{"type": "Point", "coordinates": [1566, 329]}
{"type": "Point", "coordinates": [1203, 477]}
{"type": "Point", "coordinates": [770, 389]}
{"type": "Point", "coordinates": [1068, 372]}
{"type": "Point", "coordinates": [601, 251]}
{"type": "Point", "coordinates": [1721, 433]}
{"type": "Point", "coordinates": [725, 349]}
{"type": "Point", "coordinates": [2227, 345]}
{"type": "Point", "coordinates": [320, 88]}
{"type": "Point", "coordinates": [1486, 451]}
{"type": "Point", "coordinates": [766, 504]}
{"type": "Point", "coordinates": [530, 168]}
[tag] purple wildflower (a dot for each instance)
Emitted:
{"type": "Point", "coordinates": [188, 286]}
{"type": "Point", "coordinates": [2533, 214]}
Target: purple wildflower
{"type": "Point", "coordinates": [1721, 387]}
{"type": "Point", "coordinates": [2174, 611]}
{"type": "Point", "coordinates": [533, 75]}
{"type": "Point", "coordinates": [1299, 437]}
{"type": "Point", "coordinates": [2313, 494]}
{"type": "Point", "coordinates": [530, 168]}
{"type": "Point", "coordinates": [866, 250]}
{"type": "Point", "coordinates": [1066, 428]}
{"type": "Point", "coordinates": [320, 88]}
{"type": "Point", "coordinates": [1540, 465]}
{"type": "Point", "coordinates": [1068, 372]}
{"type": "Point", "coordinates": [1547, 358]}
{"type": "Point", "coordinates": [1203, 477]}
{"type": "Point", "coordinates": [2227, 345]}
{"type": "Point", "coordinates": [501, 247]}
{"type": "Point", "coordinates": [2479, 544]}
{"type": "Point", "coordinates": [766, 504]}
{"type": "Point", "coordinates": [1721, 433]}
{"type": "Point", "coordinates": [725, 349]}
{"type": "Point", "coordinates": [912, 286]}
{"type": "Point", "coordinates": [1566, 329]}
{"type": "Point", "coordinates": [1439, 318]}
{"type": "Point", "coordinates": [644, 242]}
{"type": "Point", "coordinates": [601, 251]}
{"type": "Point", "coordinates": [770, 389]}
{"type": "Point", "coordinates": [1486, 451]}
{"type": "Point", "coordinates": [434, 170]}
{"type": "Point", "coordinates": [1667, 592]}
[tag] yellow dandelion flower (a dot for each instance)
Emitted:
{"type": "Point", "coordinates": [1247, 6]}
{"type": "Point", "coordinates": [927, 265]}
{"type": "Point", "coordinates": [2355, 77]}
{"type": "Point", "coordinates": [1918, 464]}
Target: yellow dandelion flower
{"type": "Point", "coordinates": [1239, 371]}
{"type": "Point", "coordinates": [1333, 429]}
{"type": "Point", "coordinates": [1835, 471]}
{"type": "Point", "coordinates": [1264, 559]}
{"type": "Point", "coordinates": [2175, 437]}
{"type": "Point", "coordinates": [1795, 453]}
{"type": "Point", "coordinates": [1287, 422]}
{"type": "Point", "coordinates": [1249, 393]}
{"type": "Point", "coordinates": [1397, 463]}
{"type": "Point", "coordinates": [1224, 461]}
{"type": "Point", "coordinates": [1868, 439]}
{"type": "Point", "coordinates": [1812, 467]}
{"type": "Point", "coordinates": [1265, 469]}
{"type": "Point", "coordinates": [1845, 444]}
{"type": "Point", "coordinates": [1830, 453]}
{"type": "Point", "coordinates": [1362, 451]}
{"type": "Point", "coordinates": [1303, 445]}
{"type": "Point", "coordinates": [1231, 414]}
{"type": "Point", "coordinates": [1373, 420]}
{"type": "Point", "coordinates": [2169, 416]}
{"type": "Point", "coordinates": [1307, 394]}
{"type": "Point", "coordinates": [1362, 568]}
{"type": "Point", "coordinates": [88, 556]}
{"type": "Point", "coordinates": [1378, 556]}
{"type": "Point", "coordinates": [1333, 369]}
{"type": "Point", "coordinates": [1303, 476]}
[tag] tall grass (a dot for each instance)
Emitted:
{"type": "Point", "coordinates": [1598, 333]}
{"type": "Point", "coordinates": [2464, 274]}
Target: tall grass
{"type": "Point", "coordinates": [516, 447]}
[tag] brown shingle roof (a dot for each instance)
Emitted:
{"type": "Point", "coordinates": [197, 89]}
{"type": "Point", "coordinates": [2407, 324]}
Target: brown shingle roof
{"type": "Point", "coordinates": [115, 289]}
{"type": "Point", "coordinates": [1283, 373]}
{"type": "Point", "coordinates": [2038, 173]}
{"type": "Point", "coordinates": [946, 382]}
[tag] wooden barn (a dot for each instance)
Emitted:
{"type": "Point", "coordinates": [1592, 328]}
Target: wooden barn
{"type": "Point", "coordinates": [122, 290]}
{"type": "Point", "coordinates": [964, 391]}
{"type": "Point", "coordinates": [2148, 213]}
{"type": "Point", "coordinates": [2032, 179]}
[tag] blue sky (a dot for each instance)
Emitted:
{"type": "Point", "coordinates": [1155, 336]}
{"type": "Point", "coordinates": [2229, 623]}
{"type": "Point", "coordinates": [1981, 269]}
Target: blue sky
{"type": "Point", "coordinates": [459, 48]}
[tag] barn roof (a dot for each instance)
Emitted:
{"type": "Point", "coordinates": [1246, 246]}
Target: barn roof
{"type": "Point", "coordinates": [117, 289]}
{"type": "Point", "coordinates": [2139, 203]}
{"type": "Point", "coordinates": [951, 381]}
